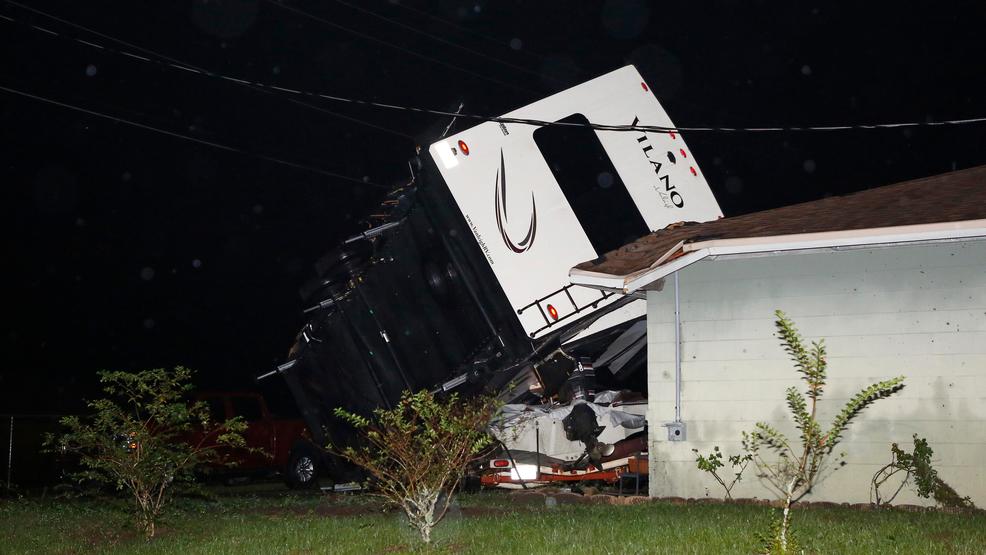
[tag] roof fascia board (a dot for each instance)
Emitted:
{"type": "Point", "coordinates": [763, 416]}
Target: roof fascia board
{"type": "Point", "coordinates": [596, 280]}
{"type": "Point", "coordinates": [853, 237]}
{"type": "Point", "coordinates": [783, 243]}
{"type": "Point", "coordinates": [634, 283]}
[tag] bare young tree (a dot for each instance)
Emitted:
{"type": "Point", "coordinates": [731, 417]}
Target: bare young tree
{"type": "Point", "coordinates": [793, 468]}
{"type": "Point", "coordinates": [417, 452]}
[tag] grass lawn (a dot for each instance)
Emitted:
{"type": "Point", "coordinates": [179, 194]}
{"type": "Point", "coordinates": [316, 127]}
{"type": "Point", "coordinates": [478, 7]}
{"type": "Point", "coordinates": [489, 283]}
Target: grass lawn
{"type": "Point", "coordinates": [255, 521]}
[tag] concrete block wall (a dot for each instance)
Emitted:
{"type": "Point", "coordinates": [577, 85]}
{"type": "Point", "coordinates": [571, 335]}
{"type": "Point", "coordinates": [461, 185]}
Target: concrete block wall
{"type": "Point", "coordinates": [917, 311]}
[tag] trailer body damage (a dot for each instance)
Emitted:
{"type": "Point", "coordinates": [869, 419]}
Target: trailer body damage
{"type": "Point", "coordinates": [540, 200]}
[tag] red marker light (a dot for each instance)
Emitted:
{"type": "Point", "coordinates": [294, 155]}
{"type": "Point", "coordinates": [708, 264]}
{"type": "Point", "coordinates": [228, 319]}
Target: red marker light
{"type": "Point", "coordinates": [553, 312]}
{"type": "Point", "coordinates": [693, 170]}
{"type": "Point", "coordinates": [464, 148]}
{"type": "Point", "coordinates": [682, 151]}
{"type": "Point", "coordinates": [500, 463]}
{"type": "Point", "coordinates": [672, 135]}
{"type": "Point", "coordinates": [644, 86]}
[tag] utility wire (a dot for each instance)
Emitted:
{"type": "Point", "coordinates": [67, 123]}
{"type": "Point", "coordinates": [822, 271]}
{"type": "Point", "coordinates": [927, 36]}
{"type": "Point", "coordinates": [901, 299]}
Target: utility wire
{"type": "Point", "coordinates": [417, 31]}
{"type": "Point", "coordinates": [179, 64]}
{"type": "Point", "coordinates": [397, 47]}
{"type": "Point", "coordinates": [189, 137]}
{"type": "Point", "coordinates": [521, 121]}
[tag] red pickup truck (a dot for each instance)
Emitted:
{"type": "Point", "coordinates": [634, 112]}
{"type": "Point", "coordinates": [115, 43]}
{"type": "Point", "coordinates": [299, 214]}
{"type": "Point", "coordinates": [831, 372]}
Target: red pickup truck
{"type": "Point", "coordinates": [281, 445]}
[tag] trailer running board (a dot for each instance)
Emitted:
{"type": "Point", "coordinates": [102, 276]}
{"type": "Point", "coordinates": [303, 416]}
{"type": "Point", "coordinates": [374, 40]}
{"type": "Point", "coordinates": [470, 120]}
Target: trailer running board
{"type": "Point", "coordinates": [343, 488]}
{"type": "Point", "coordinates": [529, 475]}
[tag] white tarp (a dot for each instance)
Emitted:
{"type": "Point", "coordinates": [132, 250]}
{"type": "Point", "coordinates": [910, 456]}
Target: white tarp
{"type": "Point", "coordinates": [535, 428]}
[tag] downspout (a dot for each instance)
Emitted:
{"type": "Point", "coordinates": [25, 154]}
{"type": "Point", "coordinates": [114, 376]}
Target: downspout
{"type": "Point", "coordinates": [677, 351]}
{"type": "Point", "coordinates": [676, 428]}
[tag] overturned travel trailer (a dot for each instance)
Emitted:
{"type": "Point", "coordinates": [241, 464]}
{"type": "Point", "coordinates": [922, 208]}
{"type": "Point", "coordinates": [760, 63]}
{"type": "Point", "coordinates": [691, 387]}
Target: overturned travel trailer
{"type": "Point", "coordinates": [461, 281]}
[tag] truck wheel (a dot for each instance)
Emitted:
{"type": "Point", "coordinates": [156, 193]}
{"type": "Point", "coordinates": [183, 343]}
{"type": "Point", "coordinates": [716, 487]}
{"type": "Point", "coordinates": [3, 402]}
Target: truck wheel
{"type": "Point", "coordinates": [302, 470]}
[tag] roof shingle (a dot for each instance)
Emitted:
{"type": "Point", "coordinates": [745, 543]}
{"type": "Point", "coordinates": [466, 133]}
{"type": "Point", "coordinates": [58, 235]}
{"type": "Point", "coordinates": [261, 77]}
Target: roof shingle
{"type": "Point", "coordinates": [950, 197]}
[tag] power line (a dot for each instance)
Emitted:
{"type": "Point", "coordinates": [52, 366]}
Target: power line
{"type": "Point", "coordinates": [631, 127]}
{"type": "Point", "coordinates": [179, 64]}
{"type": "Point", "coordinates": [417, 31]}
{"type": "Point", "coordinates": [399, 48]}
{"type": "Point", "coordinates": [269, 88]}
{"type": "Point", "coordinates": [189, 137]}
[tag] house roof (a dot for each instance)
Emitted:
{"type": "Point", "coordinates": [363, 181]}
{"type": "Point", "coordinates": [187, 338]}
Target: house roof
{"type": "Point", "coordinates": [921, 209]}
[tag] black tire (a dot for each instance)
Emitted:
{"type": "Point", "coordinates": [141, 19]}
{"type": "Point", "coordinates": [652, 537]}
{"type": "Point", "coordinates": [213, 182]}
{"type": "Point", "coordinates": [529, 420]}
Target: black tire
{"type": "Point", "coordinates": [471, 484]}
{"type": "Point", "coordinates": [303, 468]}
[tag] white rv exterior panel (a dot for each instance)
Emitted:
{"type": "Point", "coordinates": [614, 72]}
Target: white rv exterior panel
{"type": "Point", "coordinates": [520, 216]}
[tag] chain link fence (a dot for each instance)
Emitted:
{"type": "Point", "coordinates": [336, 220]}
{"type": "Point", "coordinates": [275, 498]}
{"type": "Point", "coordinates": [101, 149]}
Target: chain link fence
{"type": "Point", "coordinates": [25, 464]}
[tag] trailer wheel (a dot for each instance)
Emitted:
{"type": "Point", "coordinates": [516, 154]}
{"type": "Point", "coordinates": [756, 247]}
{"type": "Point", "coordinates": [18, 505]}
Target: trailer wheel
{"type": "Point", "coordinates": [302, 470]}
{"type": "Point", "coordinates": [442, 280]}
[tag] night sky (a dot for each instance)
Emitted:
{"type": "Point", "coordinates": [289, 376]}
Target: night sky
{"type": "Point", "coordinates": [127, 249]}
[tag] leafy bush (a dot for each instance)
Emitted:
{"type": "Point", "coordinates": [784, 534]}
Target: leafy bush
{"type": "Point", "coordinates": [796, 467]}
{"type": "Point", "coordinates": [418, 451]}
{"type": "Point", "coordinates": [146, 438]}
{"type": "Point", "coordinates": [713, 463]}
{"type": "Point", "coordinates": [916, 464]}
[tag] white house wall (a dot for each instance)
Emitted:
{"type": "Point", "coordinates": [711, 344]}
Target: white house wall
{"type": "Point", "coordinates": [917, 311]}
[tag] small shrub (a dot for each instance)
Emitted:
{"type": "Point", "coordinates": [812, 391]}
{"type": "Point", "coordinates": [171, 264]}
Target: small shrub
{"type": "Point", "coordinates": [713, 462]}
{"type": "Point", "coordinates": [146, 438]}
{"type": "Point", "coordinates": [417, 452]}
{"type": "Point", "coordinates": [917, 465]}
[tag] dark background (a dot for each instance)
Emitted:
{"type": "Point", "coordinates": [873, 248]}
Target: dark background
{"type": "Point", "coordinates": [127, 249]}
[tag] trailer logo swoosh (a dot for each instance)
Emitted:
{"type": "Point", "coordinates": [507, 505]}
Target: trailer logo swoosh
{"type": "Point", "coordinates": [500, 201]}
